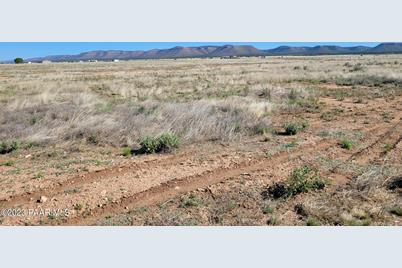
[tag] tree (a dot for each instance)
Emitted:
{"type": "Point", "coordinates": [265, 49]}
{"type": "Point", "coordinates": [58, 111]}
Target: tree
{"type": "Point", "coordinates": [18, 60]}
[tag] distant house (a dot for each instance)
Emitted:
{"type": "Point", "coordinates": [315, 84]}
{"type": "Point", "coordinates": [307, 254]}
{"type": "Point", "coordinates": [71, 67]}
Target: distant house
{"type": "Point", "coordinates": [116, 60]}
{"type": "Point", "coordinates": [46, 61]}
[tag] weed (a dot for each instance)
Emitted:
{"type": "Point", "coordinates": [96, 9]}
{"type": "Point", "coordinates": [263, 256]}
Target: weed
{"type": "Point", "coordinates": [39, 175]}
{"type": "Point", "coordinates": [395, 183]}
{"type": "Point", "coordinates": [126, 151]}
{"type": "Point", "coordinates": [396, 211]}
{"type": "Point", "coordinates": [6, 148]}
{"type": "Point", "coordinates": [78, 207]}
{"type": "Point", "coordinates": [191, 201]}
{"type": "Point", "coordinates": [273, 221]}
{"type": "Point", "coordinates": [164, 143]}
{"type": "Point", "coordinates": [292, 128]}
{"type": "Point", "coordinates": [93, 140]}
{"type": "Point", "coordinates": [8, 163]}
{"type": "Point", "coordinates": [387, 147]}
{"type": "Point", "coordinates": [312, 222]}
{"type": "Point", "coordinates": [346, 144]}
{"type": "Point", "coordinates": [301, 210]}
{"type": "Point", "coordinates": [301, 180]}
{"type": "Point", "coordinates": [267, 210]}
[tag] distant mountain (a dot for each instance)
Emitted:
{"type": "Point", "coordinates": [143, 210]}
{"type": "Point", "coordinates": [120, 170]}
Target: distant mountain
{"type": "Point", "coordinates": [317, 50]}
{"type": "Point", "coordinates": [387, 48]}
{"type": "Point", "coordinates": [220, 51]}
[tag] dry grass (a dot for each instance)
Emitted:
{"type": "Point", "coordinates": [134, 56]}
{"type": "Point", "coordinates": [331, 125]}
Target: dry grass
{"type": "Point", "coordinates": [79, 116]}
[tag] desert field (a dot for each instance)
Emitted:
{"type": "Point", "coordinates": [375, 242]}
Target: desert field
{"type": "Point", "coordinates": [243, 141]}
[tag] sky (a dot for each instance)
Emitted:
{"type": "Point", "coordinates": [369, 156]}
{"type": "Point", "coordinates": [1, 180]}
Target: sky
{"type": "Point", "coordinates": [25, 50]}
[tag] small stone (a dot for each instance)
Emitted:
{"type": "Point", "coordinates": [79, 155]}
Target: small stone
{"type": "Point", "coordinates": [103, 193]}
{"type": "Point", "coordinates": [28, 156]}
{"type": "Point", "coordinates": [42, 199]}
{"type": "Point", "coordinates": [177, 188]}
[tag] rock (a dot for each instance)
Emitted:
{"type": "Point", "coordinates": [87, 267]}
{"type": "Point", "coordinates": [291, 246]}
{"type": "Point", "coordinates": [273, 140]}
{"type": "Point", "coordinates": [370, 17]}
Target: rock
{"type": "Point", "coordinates": [42, 199]}
{"type": "Point", "coordinates": [28, 156]}
{"type": "Point", "coordinates": [103, 193]}
{"type": "Point", "coordinates": [177, 188]}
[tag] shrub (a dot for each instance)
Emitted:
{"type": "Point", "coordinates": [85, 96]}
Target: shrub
{"type": "Point", "coordinates": [93, 139]}
{"type": "Point", "coordinates": [387, 147]}
{"type": "Point", "coordinates": [191, 201]}
{"type": "Point", "coordinates": [395, 183]}
{"type": "Point", "coordinates": [149, 145]}
{"type": "Point", "coordinates": [312, 222]}
{"type": "Point", "coordinates": [164, 143]}
{"type": "Point", "coordinates": [396, 211]}
{"type": "Point", "coordinates": [18, 60]}
{"type": "Point", "coordinates": [6, 148]}
{"type": "Point", "coordinates": [126, 151]}
{"type": "Point", "coordinates": [8, 163]}
{"type": "Point", "coordinates": [301, 210]}
{"type": "Point", "coordinates": [273, 221]}
{"type": "Point", "coordinates": [292, 128]}
{"type": "Point", "coordinates": [301, 180]}
{"type": "Point", "coordinates": [167, 142]}
{"type": "Point", "coordinates": [346, 144]}
{"type": "Point", "coordinates": [267, 210]}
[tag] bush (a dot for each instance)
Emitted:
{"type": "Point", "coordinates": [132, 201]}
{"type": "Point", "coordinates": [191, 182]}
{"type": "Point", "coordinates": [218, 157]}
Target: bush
{"type": "Point", "coordinates": [191, 201]}
{"type": "Point", "coordinates": [346, 144]}
{"type": "Point", "coordinates": [396, 211]}
{"type": "Point", "coordinates": [301, 180]}
{"type": "Point", "coordinates": [164, 143]}
{"type": "Point", "coordinates": [18, 60]}
{"type": "Point", "coordinates": [167, 142]}
{"type": "Point", "coordinates": [292, 128]}
{"type": "Point", "coordinates": [6, 148]}
{"type": "Point", "coordinates": [395, 183]}
{"type": "Point", "coordinates": [126, 151]}
{"type": "Point", "coordinates": [312, 222]}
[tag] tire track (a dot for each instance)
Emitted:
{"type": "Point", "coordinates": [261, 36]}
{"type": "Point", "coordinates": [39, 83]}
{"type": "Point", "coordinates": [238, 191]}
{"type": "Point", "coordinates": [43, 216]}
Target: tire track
{"type": "Point", "coordinates": [87, 178]}
{"type": "Point", "coordinates": [173, 188]}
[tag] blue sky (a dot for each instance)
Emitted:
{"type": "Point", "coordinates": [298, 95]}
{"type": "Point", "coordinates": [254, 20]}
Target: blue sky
{"type": "Point", "coordinates": [26, 50]}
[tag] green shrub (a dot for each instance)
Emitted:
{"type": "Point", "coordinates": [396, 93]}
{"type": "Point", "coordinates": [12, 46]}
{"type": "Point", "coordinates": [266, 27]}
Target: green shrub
{"type": "Point", "coordinates": [396, 211]}
{"type": "Point", "coordinates": [93, 139]}
{"type": "Point", "coordinates": [346, 144]}
{"type": "Point", "coordinates": [126, 151]}
{"type": "Point", "coordinates": [312, 222]}
{"type": "Point", "coordinates": [301, 180]}
{"type": "Point", "coordinates": [18, 60]}
{"type": "Point", "coordinates": [8, 163]}
{"type": "Point", "coordinates": [167, 142]}
{"type": "Point", "coordinates": [149, 145]}
{"type": "Point", "coordinates": [6, 148]}
{"type": "Point", "coordinates": [292, 128]}
{"type": "Point", "coordinates": [191, 201]}
{"type": "Point", "coordinates": [387, 147]}
{"type": "Point", "coordinates": [164, 143]}
{"type": "Point", "coordinates": [267, 210]}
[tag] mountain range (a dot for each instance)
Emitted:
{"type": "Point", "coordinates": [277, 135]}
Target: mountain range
{"type": "Point", "coordinates": [221, 51]}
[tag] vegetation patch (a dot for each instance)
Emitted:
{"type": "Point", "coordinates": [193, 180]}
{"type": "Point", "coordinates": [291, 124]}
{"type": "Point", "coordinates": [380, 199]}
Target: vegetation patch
{"type": "Point", "coordinates": [6, 148]}
{"type": "Point", "coordinates": [396, 211]}
{"type": "Point", "coordinates": [163, 143]}
{"type": "Point", "coordinates": [191, 201]}
{"type": "Point", "coordinates": [346, 144]}
{"type": "Point", "coordinates": [292, 128]}
{"type": "Point", "coordinates": [301, 180]}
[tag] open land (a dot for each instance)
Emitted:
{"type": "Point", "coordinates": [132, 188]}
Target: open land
{"type": "Point", "coordinates": [244, 141]}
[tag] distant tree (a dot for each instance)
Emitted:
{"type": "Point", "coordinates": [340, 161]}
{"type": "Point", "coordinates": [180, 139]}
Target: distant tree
{"type": "Point", "coordinates": [18, 60]}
